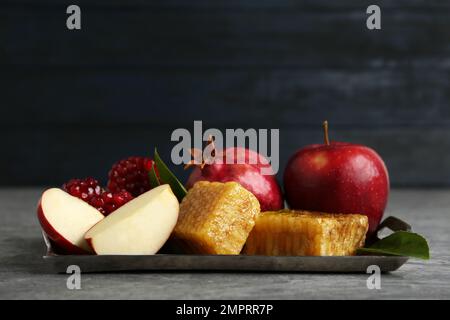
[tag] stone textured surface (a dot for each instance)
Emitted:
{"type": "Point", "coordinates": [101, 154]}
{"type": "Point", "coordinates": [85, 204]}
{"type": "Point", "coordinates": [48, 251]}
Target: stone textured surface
{"type": "Point", "coordinates": [24, 275]}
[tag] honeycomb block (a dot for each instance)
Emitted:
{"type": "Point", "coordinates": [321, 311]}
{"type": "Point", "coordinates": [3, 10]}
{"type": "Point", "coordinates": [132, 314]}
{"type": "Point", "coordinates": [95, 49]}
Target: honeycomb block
{"type": "Point", "coordinates": [304, 233]}
{"type": "Point", "coordinates": [215, 218]}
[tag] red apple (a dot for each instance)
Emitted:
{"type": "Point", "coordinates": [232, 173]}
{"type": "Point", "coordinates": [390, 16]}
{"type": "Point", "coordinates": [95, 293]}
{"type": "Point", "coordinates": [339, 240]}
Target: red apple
{"type": "Point", "coordinates": [338, 177]}
{"type": "Point", "coordinates": [65, 219]}
{"type": "Point", "coordinates": [264, 186]}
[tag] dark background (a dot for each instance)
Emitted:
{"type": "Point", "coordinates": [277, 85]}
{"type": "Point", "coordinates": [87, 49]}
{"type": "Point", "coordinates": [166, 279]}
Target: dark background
{"type": "Point", "coordinates": [73, 102]}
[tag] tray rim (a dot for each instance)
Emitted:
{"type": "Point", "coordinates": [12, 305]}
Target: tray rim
{"type": "Point", "coordinates": [51, 255]}
{"type": "Point", "coordinates": [224, 263]}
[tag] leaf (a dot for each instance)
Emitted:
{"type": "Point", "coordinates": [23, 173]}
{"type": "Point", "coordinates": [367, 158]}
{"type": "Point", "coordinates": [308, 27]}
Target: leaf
{"type": "Point", "coordinates": [166, 176]}
{"type": "Point", "coordinates": [154, 181]}
{"type": "Point", "coordinates": [400, 243]}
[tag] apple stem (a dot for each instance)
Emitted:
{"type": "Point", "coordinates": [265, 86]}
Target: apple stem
{"type": "Point", "coordinates": [325, 132]}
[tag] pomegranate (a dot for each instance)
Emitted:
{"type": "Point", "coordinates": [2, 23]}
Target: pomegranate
{"type": "Point", "coordinates": [247, 173]}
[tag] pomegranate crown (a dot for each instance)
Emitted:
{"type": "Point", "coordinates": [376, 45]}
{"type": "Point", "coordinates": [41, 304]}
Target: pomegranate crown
{"type": "Point", "coordinates": [197, 156]}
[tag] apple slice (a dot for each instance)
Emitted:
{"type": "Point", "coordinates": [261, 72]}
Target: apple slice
{"type": "Point", "coordinates": [140, 227]}
{"type": "Point", "coordinates": [65, 219]}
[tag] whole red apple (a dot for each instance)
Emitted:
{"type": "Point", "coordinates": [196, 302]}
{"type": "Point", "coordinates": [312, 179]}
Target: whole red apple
{"type": "Point", "coordinates": [248, 174]}
{"type": "Point", "coordinates": [338, 177]}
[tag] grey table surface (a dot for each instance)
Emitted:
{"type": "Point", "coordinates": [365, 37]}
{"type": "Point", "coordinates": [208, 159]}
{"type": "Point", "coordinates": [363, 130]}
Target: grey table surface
{"type": "Point", "coordinates": [24, 274]}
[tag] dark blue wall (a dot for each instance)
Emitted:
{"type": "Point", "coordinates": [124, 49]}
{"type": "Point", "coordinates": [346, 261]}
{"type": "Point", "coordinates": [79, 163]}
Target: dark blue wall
{"type": "Point", "coordinates": [73, 102]}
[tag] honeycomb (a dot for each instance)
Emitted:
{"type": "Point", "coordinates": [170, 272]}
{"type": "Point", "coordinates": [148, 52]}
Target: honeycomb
{"type": "Point", "coordinates": [215, 218]}
{"type": "Point", "coordinates": [304, 233]}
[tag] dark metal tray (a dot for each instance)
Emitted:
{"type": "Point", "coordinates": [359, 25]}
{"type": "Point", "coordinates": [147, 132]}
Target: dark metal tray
{"type": "Point", "coordinates": [237, 263]}
{"type": "Point", "coordinates": [173, 262]}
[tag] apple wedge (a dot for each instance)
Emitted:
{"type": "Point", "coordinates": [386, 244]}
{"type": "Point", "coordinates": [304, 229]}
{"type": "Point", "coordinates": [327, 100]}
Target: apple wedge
{"type": "Point", "coordinates": [65, 219]}
{"type": "Point", "coordinates": [140, 227]}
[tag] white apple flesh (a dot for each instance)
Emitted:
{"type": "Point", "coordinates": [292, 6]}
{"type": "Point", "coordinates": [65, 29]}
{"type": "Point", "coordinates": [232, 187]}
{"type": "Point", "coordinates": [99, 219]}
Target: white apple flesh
{"type": "Point", "coordinates": [140, 227]}
{"type": "Point", "coordinates": [65, 219]}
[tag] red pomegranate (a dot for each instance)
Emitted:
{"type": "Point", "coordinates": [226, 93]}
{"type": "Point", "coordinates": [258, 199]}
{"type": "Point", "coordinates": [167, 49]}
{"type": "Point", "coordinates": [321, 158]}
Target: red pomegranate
{"type": "Point", "coordinates": [244, 166]}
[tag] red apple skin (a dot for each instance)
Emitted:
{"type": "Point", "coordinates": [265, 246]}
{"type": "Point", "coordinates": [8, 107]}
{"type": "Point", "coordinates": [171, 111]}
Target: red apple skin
{"type": "Point", "coordinates": [338, 178]}
{"type": "Point", "coordinates": [63, 246]}
{"type": "Point", "coordinates": [264, 187]}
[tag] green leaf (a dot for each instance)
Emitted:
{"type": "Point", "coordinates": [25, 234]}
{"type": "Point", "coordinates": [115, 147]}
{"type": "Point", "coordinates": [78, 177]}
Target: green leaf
{"type": "Point", "coordinates": [400, 243]}
{"type": "Point", "coordinates": [166, 176]}
{"type": "Point", "coordinates": [154, 181]}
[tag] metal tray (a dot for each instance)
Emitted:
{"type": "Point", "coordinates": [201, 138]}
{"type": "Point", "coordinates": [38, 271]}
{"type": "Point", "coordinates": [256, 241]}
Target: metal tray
{"type": "Point", "coordinates": [236, 263]}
